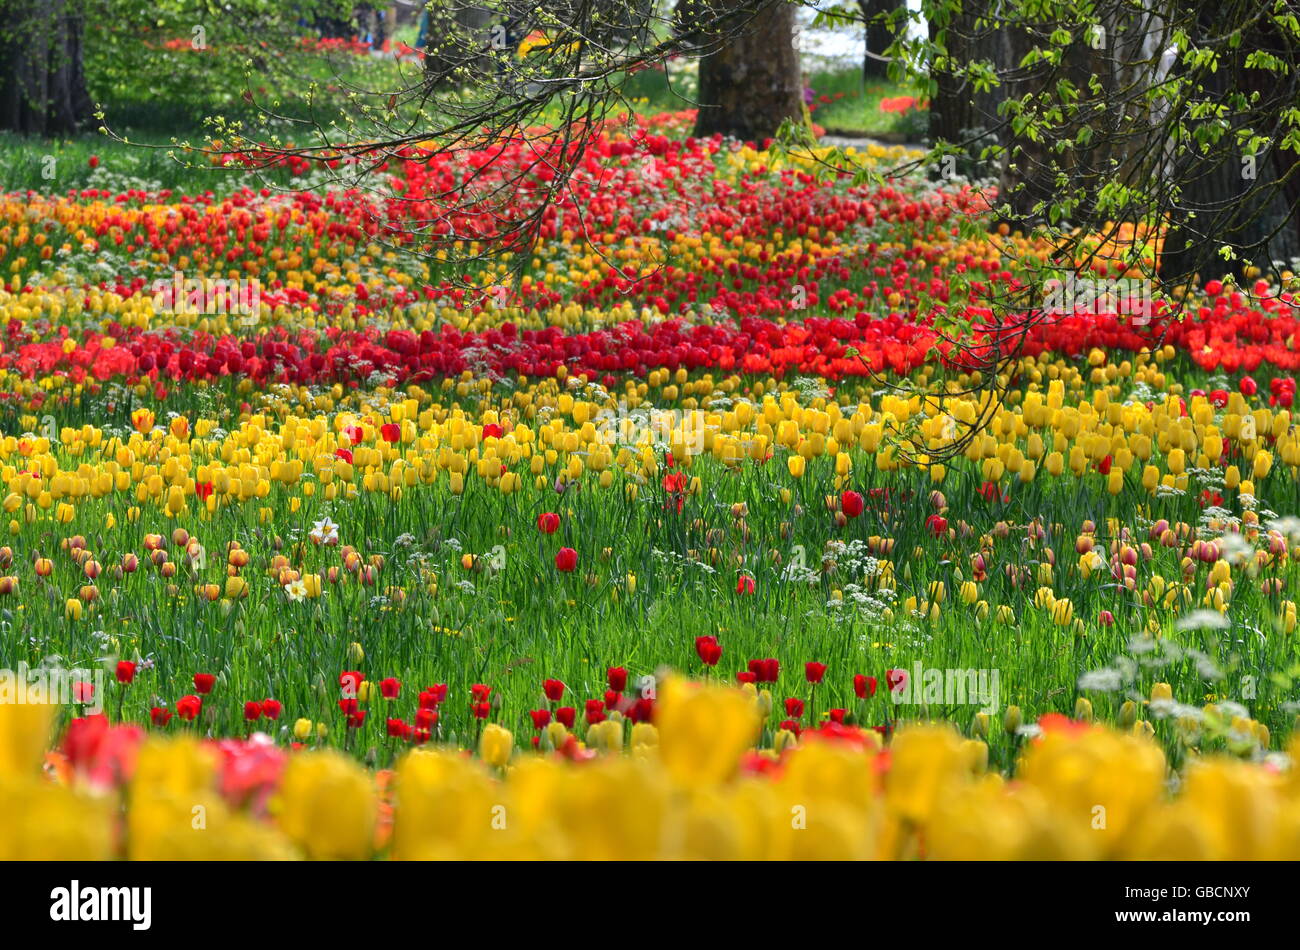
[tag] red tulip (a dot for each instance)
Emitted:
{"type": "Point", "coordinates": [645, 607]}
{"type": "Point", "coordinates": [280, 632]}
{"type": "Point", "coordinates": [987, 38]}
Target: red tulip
{"type": "Point", "coordinates": [744, 584]}
{"type": "Point", "coordinates": [813, 671]}
{"type": "Point", "coordinates": [548, 522]}
{"type": "Point", "coordinates": [203, 683]}
{"type": "Point", "coordinates": [390, 688]}
{"type": "Point", "coordinates": [864, 686]}
{"type": "Point", "coordinates": [541, 718]}
{"type": "Point", "coordinates": [554, 690]}
{"type": "Point", "coordinates": [125, 672]}
{"type": "Point", "coordinates": [271, 708]}
{"type": "Point", "coordinates": [709, 650]}
{"type": "Point", "coordinates": [794, 707]}
{"type": "Point", "coordinates": [391, 432]}
{"type": "Point", "coordinates": [566, 716]}
{"type": "Point", "coordinates": [566, 560]}
{"type": "Point", "coordinates": [188, 707]}
{"type": "Point", "coordinates": [252, 710]}
{"type": "Point", "coordinates": [595, 711]}
{"type": "Point", "coordinates": [767, 671]}
{"type": "Point", "coordinates": [159, 716]}
{"type": "Point", "coordinates": [851, 504]}
{"type": "Point", "coordinates": [642, 710]}
{"type": "Point", "coordinates": [616, 676]}
{"type": "Point", "coordinates": [350, 682]}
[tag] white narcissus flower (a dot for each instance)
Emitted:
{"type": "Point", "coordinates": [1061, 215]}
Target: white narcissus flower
{"type": "Point", "coordinates": [296, 590]}
{"type": "Point", "coordinates": [324, 532]}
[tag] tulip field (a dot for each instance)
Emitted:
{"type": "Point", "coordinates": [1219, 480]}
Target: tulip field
{"type": "Point", "coordinates": [628, 557]}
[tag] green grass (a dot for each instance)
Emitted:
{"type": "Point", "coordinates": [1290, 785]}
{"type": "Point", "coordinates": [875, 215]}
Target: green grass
{"type": "Point", "coordinates": [25, 162]}
{"type": "Point", "coordinates": [858, 110]}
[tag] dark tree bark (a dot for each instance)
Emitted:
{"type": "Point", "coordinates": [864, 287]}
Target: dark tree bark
{"type": "Point", "coordinates": [42, 79]}
{"type": "Point", "coordinates": [752, 83]}
{"type": "Point", "coordinates": [462, 45]}
{"type": "Point", "coordinates": [878, 36]}
{"type": "Point", "coordinates": [1251, 206]}
{"type": "Point", "coordinates": [1124, 138]}
{"type": "Point", "coordinates": [956, 110]}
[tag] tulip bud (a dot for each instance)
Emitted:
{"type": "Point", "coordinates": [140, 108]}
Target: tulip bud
{"type": "Point", "coordinates": [495, 745]}
{"type": "Point", "coordinates": [1012, 720]}
{"type": "Point", "coordinates": [979, 755]}
{"type": "Point", "coordinates": [644, 735]}
{"type": "Point", "coordinates": [1127, 714]}
{"type": "Point", "coordinates": [1083, 709]}
{"type": "Point", "coordinates": [555, 734]}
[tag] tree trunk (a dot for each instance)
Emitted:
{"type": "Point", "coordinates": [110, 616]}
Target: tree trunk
{"type": "Point", "coordinates": [752, 83]}
{"type": "Point", "coordinates": [42, 80]}
{"type": "Point", "coordinates": [957, 112]}
{"type": "Point", "coordinates": [463, 43]}
{"type": "Point", "coordinates": [878, 36]}
{"type": "Point", "coordinates": [1249, 203]}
